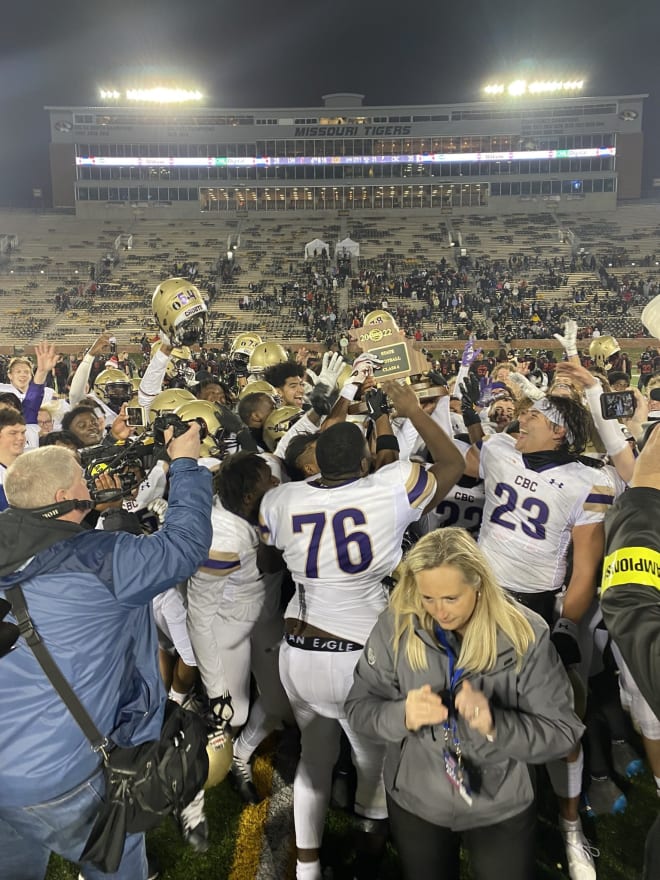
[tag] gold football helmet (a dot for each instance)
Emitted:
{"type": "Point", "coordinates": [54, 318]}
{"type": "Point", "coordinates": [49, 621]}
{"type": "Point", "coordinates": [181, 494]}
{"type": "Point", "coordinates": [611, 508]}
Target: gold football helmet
{"type": "Point", "coordinates": [266, 354]}
{"type": "Point", "coordinates": [180, 311]}
{"type": "Point", "coordinates": [243, 346]}
{"type": "Point", "coordinates": [377, 316]}
{"type": "Point", "coordinates": [602, 349]}
{"type": "Point", "coordinates": [114, 387]}
{"type": "Point", "coordinates": [177, 366]}
{"type": "Point", "coordinates": [213, 445]}
{"type": "Point", "coordinates": [181, 353]}
{"type": "Point", "coordinates": [168, 400]}
{"type": "Point", "coordinates": [278, 423]}
{"type": "Point", "coordinates": [258, 387]}
{"type": "Point", "coordinates": [220, 754]}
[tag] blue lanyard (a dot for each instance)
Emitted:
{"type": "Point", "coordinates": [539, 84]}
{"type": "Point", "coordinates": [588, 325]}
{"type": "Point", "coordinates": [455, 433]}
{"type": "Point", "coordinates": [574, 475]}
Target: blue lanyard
{"type": "Point", "coordinates": [453, 754]}
{"type": "Point", "coordinates": [455, 672]}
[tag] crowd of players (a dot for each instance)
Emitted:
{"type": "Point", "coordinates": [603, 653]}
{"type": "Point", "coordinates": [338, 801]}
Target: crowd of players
{"type": "Point", "coordinates": [322, 476]}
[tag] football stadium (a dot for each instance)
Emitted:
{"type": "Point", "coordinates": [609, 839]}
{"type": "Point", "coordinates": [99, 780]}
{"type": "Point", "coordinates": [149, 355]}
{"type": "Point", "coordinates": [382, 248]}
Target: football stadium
{"type": "Point", "coordinates": [479, 232]}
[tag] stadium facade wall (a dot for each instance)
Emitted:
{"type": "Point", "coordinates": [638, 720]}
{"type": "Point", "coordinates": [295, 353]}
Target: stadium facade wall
{"type": "Point", "coordinates": [494, 157]}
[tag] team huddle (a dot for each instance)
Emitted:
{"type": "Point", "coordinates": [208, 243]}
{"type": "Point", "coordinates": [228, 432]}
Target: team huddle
{"type": "Point", "coordinates": [406, 569]}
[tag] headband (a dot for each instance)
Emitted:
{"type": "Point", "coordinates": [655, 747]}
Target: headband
{"type": "Point", "coordinates": [550, 411]}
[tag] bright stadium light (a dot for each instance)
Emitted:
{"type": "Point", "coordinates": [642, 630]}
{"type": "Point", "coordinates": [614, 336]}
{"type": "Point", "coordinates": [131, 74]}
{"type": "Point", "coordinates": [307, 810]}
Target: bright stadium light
{"type": "Point", "coordinates": [519, 87]}
{"type": "Point", "coordinates": [157, 95]}
{"type": "Point", "coordinates": [163, 95]}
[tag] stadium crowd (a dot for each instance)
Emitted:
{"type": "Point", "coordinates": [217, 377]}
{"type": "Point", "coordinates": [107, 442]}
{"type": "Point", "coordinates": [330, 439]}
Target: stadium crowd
{"type": "Point", "coordinates": [272, 540]}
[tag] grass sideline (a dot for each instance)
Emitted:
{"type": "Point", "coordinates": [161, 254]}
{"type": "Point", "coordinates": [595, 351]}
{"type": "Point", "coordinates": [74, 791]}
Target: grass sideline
{"type": "Point", "coordinates": [620, 840]}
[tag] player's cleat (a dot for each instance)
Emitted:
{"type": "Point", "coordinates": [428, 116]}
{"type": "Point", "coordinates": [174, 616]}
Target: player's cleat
{"type": "Point", "coordinates": [579, 852]}
{"type": "Point", "coordinates": [240, 776]}
{"type": "Point", "coordinates": [604, 796]}
{"type": "Point", "coordinates": [625, 760]}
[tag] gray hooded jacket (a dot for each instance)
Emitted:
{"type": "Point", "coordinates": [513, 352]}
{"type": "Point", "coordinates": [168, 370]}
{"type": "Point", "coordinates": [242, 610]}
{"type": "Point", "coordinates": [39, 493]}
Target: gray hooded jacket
{"type": "Point", "coordinates": [531, 707]}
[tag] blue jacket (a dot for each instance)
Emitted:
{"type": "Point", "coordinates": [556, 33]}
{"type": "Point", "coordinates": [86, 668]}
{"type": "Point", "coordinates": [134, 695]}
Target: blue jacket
{"type": "Point", "coordinates": [89, 596]}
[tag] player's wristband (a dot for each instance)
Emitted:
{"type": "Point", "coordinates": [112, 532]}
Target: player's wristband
{"type": "Point", "coordinates": [387, 441]}
{"type": "Point", "coordinates": [349, 391]}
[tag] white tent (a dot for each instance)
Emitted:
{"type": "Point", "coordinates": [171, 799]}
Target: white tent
{"type": "Point", "coordinates": [347, 248]}
{"type": "Point", "coordinates": [315, 245]}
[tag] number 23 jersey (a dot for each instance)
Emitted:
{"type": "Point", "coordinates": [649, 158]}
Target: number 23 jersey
{"type": "Point", "coordinates": [529, 515]}
{"type": "Point", "coordinates": [339, 542]}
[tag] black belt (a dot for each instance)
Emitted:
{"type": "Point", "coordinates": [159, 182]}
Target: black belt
{"type": "Point", "coordinates": [543, 602]}
{"type": "Point", "coordinates": [322, 643]}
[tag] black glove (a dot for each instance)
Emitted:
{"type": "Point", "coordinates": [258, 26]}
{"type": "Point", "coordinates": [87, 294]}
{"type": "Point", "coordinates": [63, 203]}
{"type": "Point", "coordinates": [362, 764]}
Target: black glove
{"type": "Point", "coordinates": [470, 389]}
{"type": "Point", "coordinates": [221, 711]}
{"type": "Point", "coordinates": [321, 399]}
{"type": "Point", "coordinates": [437, 378]}
{"type": "Point", "coordinates": [470, 392]}
{"type": "Point", "coordinates": [564, 637]}
{"type": "Point", "coordinates": [229, 420]}
{"type": "Point", "coordinates": [377, 405]}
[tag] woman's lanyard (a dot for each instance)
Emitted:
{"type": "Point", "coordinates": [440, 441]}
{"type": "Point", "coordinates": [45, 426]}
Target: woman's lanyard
{"type": "Point", "coordinates": [452, 753]}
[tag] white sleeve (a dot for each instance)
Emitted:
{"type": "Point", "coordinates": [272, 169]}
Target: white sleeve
{"type": "Point", "coordinates": [152, 381]}
{"type": "Point", "coordinates": [80, 380]}
{"type": "Point", "coordinates": [595, 502]}
{"type": "Point", "coordinates": [303, 426]}
{"type": "Point", "coordinates": [267, 524]}
{"type": "Point", "coordinates": [441, 415]}
{"type": "Point", "coordinates": [407, 437]}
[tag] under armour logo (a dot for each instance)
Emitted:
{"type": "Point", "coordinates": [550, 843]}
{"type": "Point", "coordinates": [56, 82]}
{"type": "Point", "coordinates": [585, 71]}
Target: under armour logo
{"type": "Point", "coordinates": [556, 483]}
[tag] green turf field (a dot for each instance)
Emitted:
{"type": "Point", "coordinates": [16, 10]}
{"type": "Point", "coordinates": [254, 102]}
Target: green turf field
{"type": "Point", "coordinates": [255, 843]}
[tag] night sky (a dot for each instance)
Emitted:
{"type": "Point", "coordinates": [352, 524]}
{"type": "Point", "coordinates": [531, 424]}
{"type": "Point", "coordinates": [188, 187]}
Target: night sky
{"type": "Point", "coordinates": [258, 53]}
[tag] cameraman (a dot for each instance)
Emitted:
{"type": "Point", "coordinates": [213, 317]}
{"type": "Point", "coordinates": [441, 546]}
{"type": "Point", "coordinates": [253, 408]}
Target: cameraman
{"type": "Point", "coordinates": [629, 592]}
{"type": "Point", "coordinates": [89, 595]}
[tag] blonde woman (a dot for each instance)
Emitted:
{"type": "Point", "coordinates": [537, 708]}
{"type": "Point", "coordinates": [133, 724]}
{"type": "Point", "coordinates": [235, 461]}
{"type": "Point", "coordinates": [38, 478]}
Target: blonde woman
{"type": "Point", "coordinates": [466, 689]}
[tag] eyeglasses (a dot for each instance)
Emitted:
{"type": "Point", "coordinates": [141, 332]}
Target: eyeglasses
{"type": "Point", "coordinates": [43, 422]}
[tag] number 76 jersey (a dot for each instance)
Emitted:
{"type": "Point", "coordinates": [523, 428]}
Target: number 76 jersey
{"type": "Point", "coordinates": [529, 515]}
{"type": "Point", "coordinates": [339, 542]}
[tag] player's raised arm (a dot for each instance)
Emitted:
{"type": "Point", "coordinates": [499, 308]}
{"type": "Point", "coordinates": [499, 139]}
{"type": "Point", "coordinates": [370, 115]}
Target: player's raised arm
{"type": "Point", "coordinates": [448, 463]}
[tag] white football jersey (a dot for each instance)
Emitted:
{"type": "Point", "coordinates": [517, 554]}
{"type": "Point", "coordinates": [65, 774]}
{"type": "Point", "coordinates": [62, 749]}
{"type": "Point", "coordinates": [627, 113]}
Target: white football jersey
{"type": "Point", "coordinates": [463, 506]}
{"type": "Point", "coordinates": [340, 542]}
{"type": "Point", "coordinates": [232, 560]}
{"type": "Point", "coordinates": [529, 515]}
{"type": "Point", "coordinates": [8, 388]}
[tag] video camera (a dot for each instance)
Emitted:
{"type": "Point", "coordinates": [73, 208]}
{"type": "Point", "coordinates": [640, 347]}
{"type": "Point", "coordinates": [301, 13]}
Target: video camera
{"type": "Point", "coordinates": [178, 425]}
{"type": "Point", "coordinates": [131, 460]}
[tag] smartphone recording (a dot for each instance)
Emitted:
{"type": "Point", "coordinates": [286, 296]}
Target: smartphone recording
{"type": "Point", "coordinates": [617, 404]}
